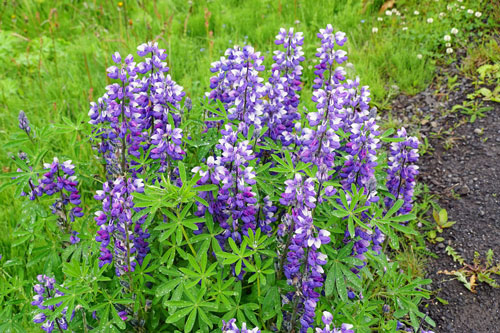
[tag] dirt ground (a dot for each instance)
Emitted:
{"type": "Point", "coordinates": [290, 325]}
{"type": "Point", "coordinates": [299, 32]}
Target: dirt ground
{"type": "Point", "coordinates": [463, 170]}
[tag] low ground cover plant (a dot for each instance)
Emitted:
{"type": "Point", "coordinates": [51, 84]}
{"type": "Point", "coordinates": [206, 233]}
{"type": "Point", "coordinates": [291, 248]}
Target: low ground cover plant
{"type": "Point", "coordinates": [247, 210]}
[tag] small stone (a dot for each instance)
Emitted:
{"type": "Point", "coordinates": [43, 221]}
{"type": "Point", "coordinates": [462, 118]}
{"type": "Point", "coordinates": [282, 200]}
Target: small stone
{"type": "Point", "coordinates": [464, 190]}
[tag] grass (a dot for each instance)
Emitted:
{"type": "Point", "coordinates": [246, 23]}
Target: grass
{"type": "Point", "coordinates": [54, 55]}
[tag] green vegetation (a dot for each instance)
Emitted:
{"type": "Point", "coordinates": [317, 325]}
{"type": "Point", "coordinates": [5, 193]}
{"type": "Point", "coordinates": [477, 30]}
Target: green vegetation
{"type": "Point", "coordinates": [54, 55]}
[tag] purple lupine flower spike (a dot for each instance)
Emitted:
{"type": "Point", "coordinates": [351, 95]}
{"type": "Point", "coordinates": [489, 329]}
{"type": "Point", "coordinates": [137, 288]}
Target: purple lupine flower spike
{"type": "Point", "coordinates": [238, 86]}
{"type": "Point", "coordinates": [303, 247]}
{"type": "Point", "coordinates": [60, 180]}
{"type": "Point", "coordinates": [24, 123]}
{"type": "Point", "coordinates": [402, 171]}
{"type": "Point", "coordinates": [115, 221]}
{"type": "Point", "coordinates": [283, 87]}
{"type": "Point", "coordinates": [45, 290]}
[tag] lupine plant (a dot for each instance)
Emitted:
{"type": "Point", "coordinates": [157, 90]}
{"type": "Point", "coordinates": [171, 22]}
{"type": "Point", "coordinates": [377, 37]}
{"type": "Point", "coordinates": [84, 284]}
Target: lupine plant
{"type": "Point", "coordinates": [244, 211]}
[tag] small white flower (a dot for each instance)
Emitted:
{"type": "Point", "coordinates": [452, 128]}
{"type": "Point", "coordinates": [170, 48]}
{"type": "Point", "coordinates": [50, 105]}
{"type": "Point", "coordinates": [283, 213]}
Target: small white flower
{"type": "Point", "coordinates": [380, 19]}
{"type": "Point", "coordinates": [419, 56]}
{"type": "Point", "coordinates": [388, 12]}
{"type": "Point", "coordinates": [405, 28]}
{"type": "Point", "coordinates": [449, 50]}
{"type": "Point", "coordinates": [447, 38]}
{"type": "Point", "coordinates": [374, 30]}
{"type": "Point", "coordinates": [454, 31]}
{"type": "Point", "coordinates": [449, 8]}
{"type": "Point", "coordinates": [297, 22]}
{"type": "Point", "coordinates": [448, 44]}
{"type": "Point", "coordinates": [416, 12]}
{"type": "Point", "coordinates": [430, 20]}
{"type": "Point", "coordinates": [349, 65]}
{"type": "Point", "coordinates": [441, 15]}
{"type": "Point", "coordinates": [470, 11]}
{"type": "Point", "coordinates": [462, 7]}
{"type": "Point", "coordinates": [460, 0]}
{"type": "Point", "coordinates": [478, 14]}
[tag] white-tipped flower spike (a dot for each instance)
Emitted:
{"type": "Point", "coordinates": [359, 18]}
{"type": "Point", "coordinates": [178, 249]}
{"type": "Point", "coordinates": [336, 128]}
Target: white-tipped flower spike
{"type": "Point", "coordinates": [454, 31]}
{"type": "Point", "coordinates": [416, 12]}
{"type": "Point", "coordinates": [388, 12]}
{"type": "Point", "coordinates": [404, 28]}
{"type": "Point", "coordinates": [430, 20]}
{"type": "Point", "coordinates": [447, 38]}
{"type": "Point", "coordinates": [380, 19]}
{"type": "Point", "coordinates": [374, 30]}
{"type": "Point", "coordinates": [449, 50]}
{"type": "Point", "coordinates": [470, 11]}
{"type": "Point", "coordinates": [419, 56]}
{"type": "Point", "coordinates": [478, 14]}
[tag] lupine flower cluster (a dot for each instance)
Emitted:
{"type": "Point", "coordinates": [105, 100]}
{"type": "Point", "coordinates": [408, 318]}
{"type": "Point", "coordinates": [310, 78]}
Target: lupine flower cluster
{"type": "Point", "coordinates": [341, 105]}
{"type": "Point", "coordinates": [284, 87]}
{"type": "Point", "coordinates": [44, 291]}
{"type": "Point", "coordinates": [142, 139]}
{"type": "Point", "coordinates": [303, 248]}
{"type": "Point", "coordinates": [59, 179]}
{"type": "Point", "coordinates": [115, 222]}
{"type": "Point", "coordinates": [24, 123]}
{"type": "Point", "coordinates": [134, 113]}
{"type": "Point", "coordinates": [402, 171]}
{"type": "Point", "coordinates": [235, 207]}
{"type": "Point", "coordinates": [238, 86]}
{"type": "Point", "coordinates": [137, 114]}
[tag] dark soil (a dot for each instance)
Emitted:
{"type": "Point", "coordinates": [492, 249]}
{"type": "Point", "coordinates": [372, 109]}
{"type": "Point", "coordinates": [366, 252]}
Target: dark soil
{"type": "Point", "coordinates": [463, 170]}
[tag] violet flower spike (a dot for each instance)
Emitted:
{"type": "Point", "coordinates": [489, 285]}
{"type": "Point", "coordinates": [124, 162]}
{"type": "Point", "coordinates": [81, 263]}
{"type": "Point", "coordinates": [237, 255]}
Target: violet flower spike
{"type": "Point", "coordinates": [402, 171]}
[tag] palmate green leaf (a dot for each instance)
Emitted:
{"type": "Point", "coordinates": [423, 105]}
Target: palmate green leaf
{"type": "Point", "coordinates": [403, 218]}
{"type": "Point", "coordinates": [350, 226]}
{"type": "Point", "coordinates": [404, 229]}
{"type": "Point", "coordinates": [339, 213]}
{"type": "Point", "coordinates": [179, 314]}
{"type": "Point", "coordinates": [182, 172]}
{"type": "Point", "coordinates": [233, 246]}
{"type": "Point", "coordinates": [167, 287]}
{"type": "Point", "coordinates": [330, 281]}
{"type": "Point", "coordinates": [354, 280]}
{"type": "Point", "coordinates": [340, 283]}
{"type": "Point", "coordinates": [190, 320]}
{"type": "Point", "coordinates": [21, 237]}
{"type": "Point", "coordinates": [249, 310]}
{"type": "Point", "coordinates": [395, 207]}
